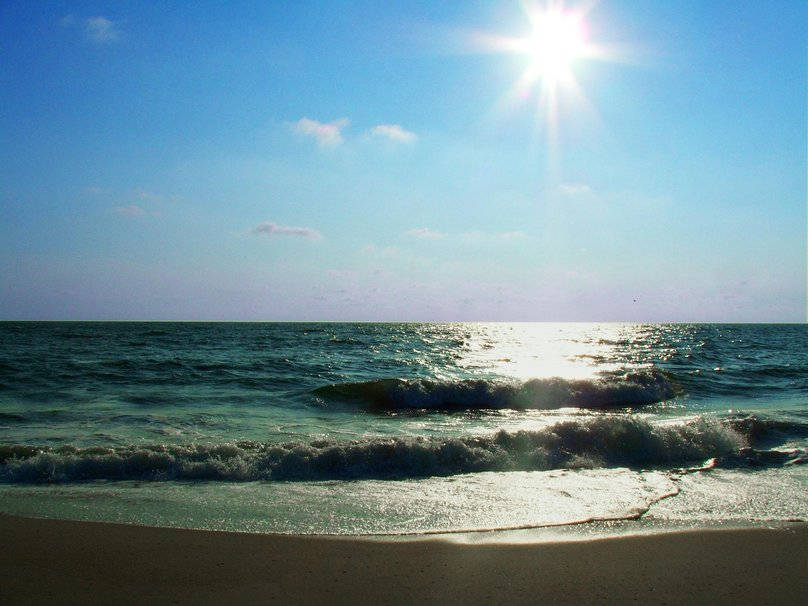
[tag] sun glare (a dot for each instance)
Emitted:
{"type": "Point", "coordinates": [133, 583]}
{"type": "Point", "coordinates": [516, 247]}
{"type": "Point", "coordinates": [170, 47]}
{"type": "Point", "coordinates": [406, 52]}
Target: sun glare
{"type": "Point", "coordinates": [554, 50]}
{"type": "Point", "coordinates": [556, 42]}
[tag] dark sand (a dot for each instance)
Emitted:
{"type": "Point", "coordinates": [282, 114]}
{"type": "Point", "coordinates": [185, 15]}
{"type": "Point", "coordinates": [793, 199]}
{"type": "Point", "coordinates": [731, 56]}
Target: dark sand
{"type": "Point", "coordinates": [55, 561]}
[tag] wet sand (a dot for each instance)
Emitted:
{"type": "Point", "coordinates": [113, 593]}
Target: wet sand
{"type": "Point", "coordinates": [56, 561]}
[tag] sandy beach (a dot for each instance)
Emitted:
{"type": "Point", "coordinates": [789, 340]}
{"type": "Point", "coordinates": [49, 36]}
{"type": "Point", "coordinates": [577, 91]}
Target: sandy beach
{"type": "Point", "coordinates": [56, 561]}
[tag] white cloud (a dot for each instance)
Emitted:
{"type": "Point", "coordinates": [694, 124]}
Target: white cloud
{"type": "Point", "coordinates": [131, 211]}
{"type": "Point", "coordinates": [101, 30]}
{"type": "Point", "coordinates": [425, 233]}
{"type": "Point", "coordinates": [327, 134]}
{"type": "Point", "coordinates": [267, 228]}
{"type": "Point", "coordinates": [575, 189]}
{"type": "Point", "coordinates": [394, 132]}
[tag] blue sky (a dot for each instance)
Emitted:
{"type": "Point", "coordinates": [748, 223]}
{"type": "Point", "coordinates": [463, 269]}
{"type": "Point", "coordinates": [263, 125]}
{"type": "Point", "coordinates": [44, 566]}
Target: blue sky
{"type": "Point", "coordinates": [361, 161]}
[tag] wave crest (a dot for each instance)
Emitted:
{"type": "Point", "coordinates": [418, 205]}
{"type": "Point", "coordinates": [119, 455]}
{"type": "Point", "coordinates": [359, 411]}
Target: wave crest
{"type": "Point", "coordinates": [608, 441]}
{"type": "Point", "coordinates": [627, 390]}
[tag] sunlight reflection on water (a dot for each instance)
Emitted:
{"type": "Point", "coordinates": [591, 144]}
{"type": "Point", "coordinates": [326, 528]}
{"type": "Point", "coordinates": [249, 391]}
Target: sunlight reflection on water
{"type": "Point", "coordinates": [526, 351]}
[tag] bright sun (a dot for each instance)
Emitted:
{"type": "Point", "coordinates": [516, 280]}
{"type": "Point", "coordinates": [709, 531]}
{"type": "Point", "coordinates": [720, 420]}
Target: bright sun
{"type": "Point", "coordinates": [556, 42]}
{"type": "Point", "coordinates": [553, 50]}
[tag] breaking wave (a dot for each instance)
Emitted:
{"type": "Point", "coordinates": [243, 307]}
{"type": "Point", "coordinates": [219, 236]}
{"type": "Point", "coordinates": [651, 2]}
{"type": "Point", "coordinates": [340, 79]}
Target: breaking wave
{"type": "Point", "coordinates": [627, 390]}
{"type": "Point", "coordinates": [610, 441]}
{"type": "Point", "coordinates": [767, 431]}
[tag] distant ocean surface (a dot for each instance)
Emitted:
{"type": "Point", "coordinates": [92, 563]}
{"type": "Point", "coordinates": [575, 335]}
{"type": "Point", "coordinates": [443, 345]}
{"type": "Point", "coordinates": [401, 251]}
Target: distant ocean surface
{"type": "Point", "coordinates": [403, 428]}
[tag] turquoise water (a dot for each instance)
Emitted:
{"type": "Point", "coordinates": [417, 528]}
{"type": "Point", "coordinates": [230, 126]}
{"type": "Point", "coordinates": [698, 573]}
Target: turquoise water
{"type": "Point", "coordinates": [390, 428]}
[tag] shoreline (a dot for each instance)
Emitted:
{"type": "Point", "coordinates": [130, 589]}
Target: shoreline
{"type": "Point", "coordinates": [62, 561]}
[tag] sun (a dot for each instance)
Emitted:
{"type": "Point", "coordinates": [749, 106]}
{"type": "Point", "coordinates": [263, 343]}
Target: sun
{"type": "Point", "coordinates": [556, 42]}
{"type": "Point", "coordinates": [553, 50]}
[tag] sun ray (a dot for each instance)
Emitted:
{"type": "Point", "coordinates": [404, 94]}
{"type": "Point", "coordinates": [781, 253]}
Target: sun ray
{"type": "Point", "coordinates": [554, 50]}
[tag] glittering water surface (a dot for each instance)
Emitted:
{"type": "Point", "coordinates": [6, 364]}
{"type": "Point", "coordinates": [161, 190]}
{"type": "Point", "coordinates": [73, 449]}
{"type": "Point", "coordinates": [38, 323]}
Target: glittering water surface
{"type": "Point", "coordinates": [388, 428]}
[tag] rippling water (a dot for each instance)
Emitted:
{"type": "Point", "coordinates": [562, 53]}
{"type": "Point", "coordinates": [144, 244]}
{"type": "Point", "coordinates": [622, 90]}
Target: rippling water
{"type": "Point", "coordinates": [372, 428]}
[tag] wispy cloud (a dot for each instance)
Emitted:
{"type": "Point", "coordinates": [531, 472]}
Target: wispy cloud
{"type": "Point", "coordinates": [394, 132]}
{"type": "Point", "coordinates": [575, 189]}
{"type": "Point", "coordinates": [372, 249]}
{"type": "Point", "coordinates": [101, 30]}
{"type": "Point", "coordinates": [132, 204]}
{"type": "Point", "coordinates": [424, 233]}
{"type": "Point", "coordinates": [267, 228]}
{"type": "Point", "coordinates": [98, 30]}
{"type": "Point", "coordinates": [130, 211]}
{"type": "Point", "coordinates": [479, 235]}
{"type": "Point", "coordinates": [511, 235]}
{"type": "Point", "coordinates": [327, 134]}
{"type": "Point", "coordinates": [153, 197]}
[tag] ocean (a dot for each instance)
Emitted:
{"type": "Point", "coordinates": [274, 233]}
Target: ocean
{"type": "Point", "coordinates": [401, 429]}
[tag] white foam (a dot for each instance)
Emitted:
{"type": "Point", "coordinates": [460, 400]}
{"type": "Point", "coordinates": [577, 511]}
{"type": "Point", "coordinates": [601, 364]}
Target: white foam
{"type": "Point", "coordinates": [469, 502]}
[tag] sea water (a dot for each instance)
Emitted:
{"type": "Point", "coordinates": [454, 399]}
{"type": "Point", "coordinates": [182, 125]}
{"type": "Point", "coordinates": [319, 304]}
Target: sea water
{"type": "Point", "coordinates": [404, 428]}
